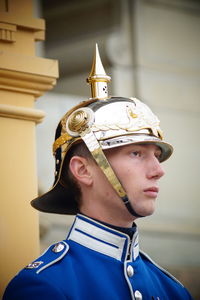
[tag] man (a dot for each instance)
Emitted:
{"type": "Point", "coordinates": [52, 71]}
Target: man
{"type": "Point", "coordinates": [108, 154]}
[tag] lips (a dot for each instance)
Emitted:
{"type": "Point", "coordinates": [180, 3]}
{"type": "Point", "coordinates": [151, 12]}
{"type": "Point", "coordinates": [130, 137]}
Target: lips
{"type": "Point", "coordinates": [152, 191]}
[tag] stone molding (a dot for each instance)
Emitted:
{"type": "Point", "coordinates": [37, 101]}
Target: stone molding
{"type": "Point", "coordinates": [22, 113]}
{"type": "Point", "coordinates": [37, 25]}
{"type": "Point", "coordinates": [28, 64]}
{"type": "Point", "coordinates": [25, 83]}
{"type": "Point", "coordinates": [27, 74]}
{"type": "Point", "coordinates": [7, 32]}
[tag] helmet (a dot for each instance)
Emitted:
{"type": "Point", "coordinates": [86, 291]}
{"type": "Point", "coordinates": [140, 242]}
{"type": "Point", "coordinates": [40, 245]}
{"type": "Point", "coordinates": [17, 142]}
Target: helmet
{"type": "Point", "coordinates": [101, 122]}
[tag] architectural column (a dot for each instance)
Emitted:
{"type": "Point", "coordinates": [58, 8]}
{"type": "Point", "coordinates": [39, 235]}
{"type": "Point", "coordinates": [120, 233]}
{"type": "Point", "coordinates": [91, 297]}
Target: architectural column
{"type": "Point", "coordinates": [23, 78]}
{"type": "Point", "coordinates": [121, 52]}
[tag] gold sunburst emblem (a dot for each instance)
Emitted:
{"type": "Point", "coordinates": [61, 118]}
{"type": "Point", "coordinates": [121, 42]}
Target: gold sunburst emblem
{"type": "Point", "coordinates": [78, 121]}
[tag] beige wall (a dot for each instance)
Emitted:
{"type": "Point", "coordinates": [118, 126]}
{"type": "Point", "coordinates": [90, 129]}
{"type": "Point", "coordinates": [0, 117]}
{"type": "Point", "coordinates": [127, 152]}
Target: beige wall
{"type": "Point", "coordinates": [23, 78]}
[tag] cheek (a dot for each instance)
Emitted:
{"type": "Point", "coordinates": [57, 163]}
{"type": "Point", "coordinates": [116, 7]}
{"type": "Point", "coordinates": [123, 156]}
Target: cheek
{"type": "Point", "coordinates": [126, 177]}
{"type": "Point", "coordinates": [131, 179]}
{"type": "Point", "coordinates": [101, 183]}
{"type": "Point", "coordinates": [128, 172]}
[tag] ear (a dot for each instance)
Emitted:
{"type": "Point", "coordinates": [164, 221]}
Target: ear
{"type": "Point", "coordinates": [80, 168]}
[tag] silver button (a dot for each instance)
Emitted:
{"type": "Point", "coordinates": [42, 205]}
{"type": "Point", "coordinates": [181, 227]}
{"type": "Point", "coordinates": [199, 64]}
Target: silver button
{"type": "Point", "coordinates": [58, 248]}
{"type": "Point", "coordinates": [138, 295]}
{"type": "Point", "coordinates": [130, 271]}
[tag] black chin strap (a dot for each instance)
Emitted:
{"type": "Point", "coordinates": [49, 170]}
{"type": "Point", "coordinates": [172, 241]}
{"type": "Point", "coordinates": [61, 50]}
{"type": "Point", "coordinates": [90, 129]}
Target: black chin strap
{"type": "Point", "coordinates": [130, 208]}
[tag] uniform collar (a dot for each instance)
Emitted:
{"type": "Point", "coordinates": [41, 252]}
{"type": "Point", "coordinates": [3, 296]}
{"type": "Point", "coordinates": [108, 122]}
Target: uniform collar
{"type": "Point", "coordinates": [103, 239]}
{"type": "Point", "coordinates": [127, 230]}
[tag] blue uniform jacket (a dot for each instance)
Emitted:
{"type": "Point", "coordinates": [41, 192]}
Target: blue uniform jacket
{"type": "Point", "coordinates": [95, 262]}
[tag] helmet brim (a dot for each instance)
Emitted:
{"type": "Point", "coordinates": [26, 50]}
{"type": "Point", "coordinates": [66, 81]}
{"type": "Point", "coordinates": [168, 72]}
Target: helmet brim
{"type": "Point", "coordinates": [59, 200]}
{"type": "Point", "coordinates": [120, 141]}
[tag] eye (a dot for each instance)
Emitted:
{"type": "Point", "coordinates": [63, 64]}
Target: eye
{"type": "Point", "coordinates": [136, 153]}
{"type": "Point", "coordinates": [158, 155]}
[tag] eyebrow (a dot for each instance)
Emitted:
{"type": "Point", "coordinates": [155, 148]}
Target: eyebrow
{"type": "Point", "coordinates": [157, 148]}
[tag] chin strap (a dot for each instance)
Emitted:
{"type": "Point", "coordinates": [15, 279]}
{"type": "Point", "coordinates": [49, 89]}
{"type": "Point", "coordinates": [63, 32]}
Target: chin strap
{"type": "Point", "coordinates": [99, 156]}
{"type": "Point", "coordinates": [130, 208]}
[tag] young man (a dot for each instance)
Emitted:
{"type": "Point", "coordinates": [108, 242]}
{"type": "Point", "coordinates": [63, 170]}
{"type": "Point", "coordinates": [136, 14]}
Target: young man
{"type": "Point", "coordinates": [108, 155]}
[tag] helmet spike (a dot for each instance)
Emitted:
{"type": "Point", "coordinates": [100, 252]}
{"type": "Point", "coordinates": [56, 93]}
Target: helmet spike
{"type": "Point", "coordinates": [98, 79]}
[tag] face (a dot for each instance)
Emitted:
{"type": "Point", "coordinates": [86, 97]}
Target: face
{"type": "Point", "coordinates": [138, 169]}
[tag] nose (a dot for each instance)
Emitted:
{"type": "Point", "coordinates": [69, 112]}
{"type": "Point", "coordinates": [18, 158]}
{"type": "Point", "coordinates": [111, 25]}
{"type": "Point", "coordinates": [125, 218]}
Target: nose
{"type": "Point", "coordinates": [155, 169]}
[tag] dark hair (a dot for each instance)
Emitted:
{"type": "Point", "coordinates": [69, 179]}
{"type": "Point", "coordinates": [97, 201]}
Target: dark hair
{"type": "Point", "coordinates": [67, 178]}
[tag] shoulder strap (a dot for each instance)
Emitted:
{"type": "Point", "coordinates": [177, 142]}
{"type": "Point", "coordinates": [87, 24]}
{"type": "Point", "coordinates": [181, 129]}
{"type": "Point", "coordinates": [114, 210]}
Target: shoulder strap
{"type": "Point", "coordinates": [52, 255]}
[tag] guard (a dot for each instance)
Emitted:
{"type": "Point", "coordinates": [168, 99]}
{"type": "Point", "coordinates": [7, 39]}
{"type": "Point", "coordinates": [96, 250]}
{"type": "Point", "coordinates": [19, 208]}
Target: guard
{"type": "Point", "coordinates": [108, 154]}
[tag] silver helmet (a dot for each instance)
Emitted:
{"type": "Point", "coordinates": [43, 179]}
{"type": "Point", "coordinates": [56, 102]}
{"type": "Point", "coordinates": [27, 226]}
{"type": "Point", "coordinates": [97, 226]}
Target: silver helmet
{"type": "Point", "coordinates": [101, 122]}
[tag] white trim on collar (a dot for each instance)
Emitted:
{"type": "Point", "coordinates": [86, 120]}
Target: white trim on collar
{"type": "Point", "coordinates": [102, 239]}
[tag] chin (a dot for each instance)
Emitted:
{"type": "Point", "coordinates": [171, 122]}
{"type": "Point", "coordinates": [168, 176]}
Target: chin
{"type": "Point", "coordinates": [149, 213]}
{"type": "Point", "coordinates": [146, 211]}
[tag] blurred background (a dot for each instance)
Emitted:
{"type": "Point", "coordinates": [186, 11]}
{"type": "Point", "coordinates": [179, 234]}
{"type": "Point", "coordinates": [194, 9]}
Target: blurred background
{"type": "Point", "coordinates": [151, 50]}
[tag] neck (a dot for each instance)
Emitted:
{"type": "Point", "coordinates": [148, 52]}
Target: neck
{"type": "Point", "coordinates": [107, 208]}
{"type": "Point", "coordinates": [121, 219]}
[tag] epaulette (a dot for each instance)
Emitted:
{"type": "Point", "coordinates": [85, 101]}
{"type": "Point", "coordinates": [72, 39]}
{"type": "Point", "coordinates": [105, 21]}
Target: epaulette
{"type": "Point", "coordinates": [52, 255]}
{"type": "Point", "coordinates": [159, 267]}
